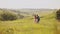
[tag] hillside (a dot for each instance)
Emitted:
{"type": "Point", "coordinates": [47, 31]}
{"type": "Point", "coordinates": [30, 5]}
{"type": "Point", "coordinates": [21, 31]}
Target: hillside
{"type": "Point", "coordinates": [31, 11]}
{"type": "Point", "coordinates": [47, 24]}
{"type": "Point", "coordinates": [24, 13]}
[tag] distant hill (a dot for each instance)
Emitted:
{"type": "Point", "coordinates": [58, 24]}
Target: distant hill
{"type": "Point", "coordinates": [28, 12]}
{"type": "Point", "coordinates": [37, 11]}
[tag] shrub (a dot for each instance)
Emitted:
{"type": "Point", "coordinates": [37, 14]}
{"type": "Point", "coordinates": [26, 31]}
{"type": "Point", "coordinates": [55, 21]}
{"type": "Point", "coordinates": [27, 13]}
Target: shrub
{"type": "Point", "coordinates": [58, 14]}
{"type": "Point", "coordinates": [6, 15]}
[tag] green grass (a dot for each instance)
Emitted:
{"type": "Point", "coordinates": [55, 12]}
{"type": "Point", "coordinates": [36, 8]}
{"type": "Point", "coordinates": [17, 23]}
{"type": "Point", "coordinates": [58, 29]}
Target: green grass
{"type": "Point", "coordinates": [28, 26]}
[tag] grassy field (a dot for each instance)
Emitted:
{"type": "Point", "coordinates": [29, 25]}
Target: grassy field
{"type": "Point", "coordinates": [47, 25]}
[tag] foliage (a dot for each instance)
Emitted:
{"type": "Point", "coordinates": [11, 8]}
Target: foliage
{"type": "Point", "coordinates": [6, 15]}
{"type": "Point", "coordinates": [58, 14]}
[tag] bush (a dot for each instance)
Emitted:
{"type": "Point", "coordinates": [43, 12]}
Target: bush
{"type": "Point", "coordinates": [58, 14]}
{"type": "Point", "coordinates": [6, 15]}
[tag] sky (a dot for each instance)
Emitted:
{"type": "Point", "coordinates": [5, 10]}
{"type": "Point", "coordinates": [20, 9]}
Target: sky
{"type": "Point", "coordinates": [19, 4]}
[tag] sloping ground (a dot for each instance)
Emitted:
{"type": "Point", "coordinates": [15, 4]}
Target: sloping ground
{"type": "Point", "coordinates": [28, 26]}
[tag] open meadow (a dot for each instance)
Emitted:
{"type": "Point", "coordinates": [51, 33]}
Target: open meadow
{"type": "Point", "coordinates": [47, 25]}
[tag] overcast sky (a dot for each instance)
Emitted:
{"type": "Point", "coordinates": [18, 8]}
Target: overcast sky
{"type": "Point", "coordinates": [18, 4]}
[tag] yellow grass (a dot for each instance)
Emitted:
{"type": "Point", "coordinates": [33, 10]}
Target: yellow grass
{"type": "Point", "coordinates": [28, 26]}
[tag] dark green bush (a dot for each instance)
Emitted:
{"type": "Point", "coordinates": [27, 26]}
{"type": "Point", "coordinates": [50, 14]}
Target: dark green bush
{"type": "Point", "coordinates": [4, 16]}
{"type": "Point", "coordinates": [58, 14]}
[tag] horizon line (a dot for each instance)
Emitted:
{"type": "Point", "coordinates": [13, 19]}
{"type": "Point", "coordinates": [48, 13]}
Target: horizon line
{"type": "Point", "coordinates": [29, 8]}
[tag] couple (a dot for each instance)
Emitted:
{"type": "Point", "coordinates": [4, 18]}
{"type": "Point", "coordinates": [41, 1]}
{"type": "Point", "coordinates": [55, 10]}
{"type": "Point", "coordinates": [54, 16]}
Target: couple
{"type": "Point", "coordinates": [37, 18]}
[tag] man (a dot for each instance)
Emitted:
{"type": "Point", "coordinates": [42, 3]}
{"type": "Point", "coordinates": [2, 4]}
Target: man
{"type": "Point", "coordinates": [38, 19]}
